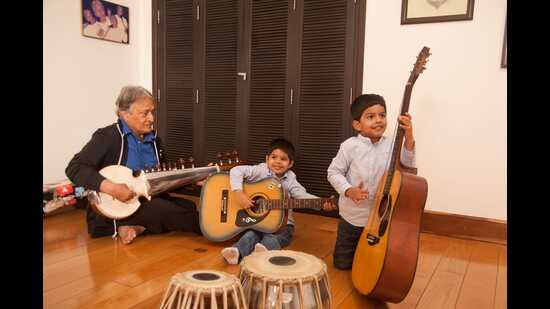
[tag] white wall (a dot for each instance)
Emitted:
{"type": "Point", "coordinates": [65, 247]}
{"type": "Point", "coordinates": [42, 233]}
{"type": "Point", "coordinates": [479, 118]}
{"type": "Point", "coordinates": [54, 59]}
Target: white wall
{"type": "Point", "coordinates": [458, 104]}
{"type": "Point", "coordinates": [82, 77]}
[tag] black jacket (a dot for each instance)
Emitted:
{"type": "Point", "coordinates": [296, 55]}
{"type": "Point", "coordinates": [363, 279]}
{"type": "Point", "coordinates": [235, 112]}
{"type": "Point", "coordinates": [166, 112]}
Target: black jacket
{"type": "Point", "coordinates": [108, 146]}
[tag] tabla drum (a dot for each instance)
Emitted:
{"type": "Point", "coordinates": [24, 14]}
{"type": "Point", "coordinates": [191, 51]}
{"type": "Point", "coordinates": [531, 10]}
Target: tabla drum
{"type": "Point", "coordinates": [204, 289]}
{"type": "Point", "coordinates": [285, 279]}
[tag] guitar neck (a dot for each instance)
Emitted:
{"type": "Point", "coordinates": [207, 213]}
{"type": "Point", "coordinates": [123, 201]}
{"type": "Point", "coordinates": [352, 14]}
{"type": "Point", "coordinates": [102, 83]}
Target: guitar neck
{"type": "Point", "coordinates": [310, 203]}
{"type": "Point", "coordinates": [165, 181]}
{"type": "Point", "coordinates": [398, 142]}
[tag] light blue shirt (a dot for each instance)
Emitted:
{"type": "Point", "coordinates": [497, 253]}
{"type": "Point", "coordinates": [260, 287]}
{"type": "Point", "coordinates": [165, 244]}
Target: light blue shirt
{"type": "Point", "coordinates": [358, 159]}
{"type": "Point", "coordinates": [254, 173]}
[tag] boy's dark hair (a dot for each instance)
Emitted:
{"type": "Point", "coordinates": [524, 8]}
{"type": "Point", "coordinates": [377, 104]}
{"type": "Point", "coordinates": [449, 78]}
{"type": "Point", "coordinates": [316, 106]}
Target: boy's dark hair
{"type": "Point", "coordinates": [284, 145]}
{"type": "Point", "coordinates": [364, 101]}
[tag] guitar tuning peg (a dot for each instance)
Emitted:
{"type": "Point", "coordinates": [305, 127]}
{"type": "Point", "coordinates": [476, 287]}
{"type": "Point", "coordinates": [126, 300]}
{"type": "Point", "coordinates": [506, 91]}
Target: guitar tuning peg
{"type": "Point", "coordinates": [219, 157]}
{"type": "Point", "coordinates": [163, 166]}
{"type": "Point", "coordinates": [192, 162]}
{"type": "Point", "coordinates": [182, 163]}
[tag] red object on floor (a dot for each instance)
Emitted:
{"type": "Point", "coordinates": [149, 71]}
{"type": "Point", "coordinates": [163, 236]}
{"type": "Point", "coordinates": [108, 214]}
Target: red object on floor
{"type": "Point", "coordinates": [64, 190]}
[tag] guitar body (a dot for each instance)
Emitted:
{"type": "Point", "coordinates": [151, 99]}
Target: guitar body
{"type": "Point", "coordinates": [387, 252]}
{"type": "Point", "coordinates": [384, 267]}
{"type": "Point", "coordinates": [221, 217]}
{"type": "Point", "coordinates": [112, 208]}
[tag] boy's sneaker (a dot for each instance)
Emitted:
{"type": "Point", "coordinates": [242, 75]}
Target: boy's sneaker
{"type": "Point", "coordinates": [231, 255]}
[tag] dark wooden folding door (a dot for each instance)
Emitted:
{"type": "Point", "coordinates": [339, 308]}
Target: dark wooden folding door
{"type": "Point", "coordinates": [236, 74]}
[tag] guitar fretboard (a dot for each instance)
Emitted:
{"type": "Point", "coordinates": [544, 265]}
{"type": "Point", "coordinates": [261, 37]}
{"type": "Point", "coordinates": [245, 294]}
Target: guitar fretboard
{"type": "Point", "coordinates": [311, 203]}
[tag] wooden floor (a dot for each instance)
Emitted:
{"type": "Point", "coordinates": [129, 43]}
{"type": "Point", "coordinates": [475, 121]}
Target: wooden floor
{"type": "Point", "coordinates": [80, 272]}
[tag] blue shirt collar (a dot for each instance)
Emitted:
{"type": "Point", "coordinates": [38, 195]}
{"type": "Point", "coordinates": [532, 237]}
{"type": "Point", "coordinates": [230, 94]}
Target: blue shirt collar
{"type": "Point", "coordinates": [149, 137]}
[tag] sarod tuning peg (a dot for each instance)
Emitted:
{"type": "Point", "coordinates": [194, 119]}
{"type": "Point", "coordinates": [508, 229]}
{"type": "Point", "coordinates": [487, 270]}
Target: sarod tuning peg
{"type": "Point", "coordinates": [219, 157]}
{"type": "Point", "coordinates": [228, 155]}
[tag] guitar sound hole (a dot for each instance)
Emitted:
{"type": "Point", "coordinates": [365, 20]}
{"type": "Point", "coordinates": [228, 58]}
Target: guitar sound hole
{"type": "Point", "coordinates": [257, 208]}
{"type": "Point", "coordinates": [383, 226]}
{"type": "Point", "coordinates": [383, 206]}
{"type": "Point", "coordinates": [384, 223]}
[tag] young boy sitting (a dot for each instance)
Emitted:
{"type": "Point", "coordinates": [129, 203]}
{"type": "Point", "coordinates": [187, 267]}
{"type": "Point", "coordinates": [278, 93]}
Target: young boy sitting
{"type": "Point", "coordinates": [358, 167]}
{"type": "Point", "coordinates": [279, 160]}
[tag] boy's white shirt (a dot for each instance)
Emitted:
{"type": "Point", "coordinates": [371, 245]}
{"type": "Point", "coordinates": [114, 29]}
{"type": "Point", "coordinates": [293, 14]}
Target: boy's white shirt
{"type": "Point", "coordinates": [358, 159]}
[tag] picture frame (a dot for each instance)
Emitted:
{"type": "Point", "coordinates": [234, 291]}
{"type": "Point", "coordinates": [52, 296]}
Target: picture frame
{"type": "Point", "coordinates": [504, 58]}
{"type": "Point", "coordinates": [105, 20]}
{"type": "Point", "coordinates": [431, 11]}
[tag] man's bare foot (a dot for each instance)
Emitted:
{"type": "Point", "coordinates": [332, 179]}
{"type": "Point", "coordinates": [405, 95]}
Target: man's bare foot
{"type": "Point", "coordinates": [127, 233]}
{"type": "Point", "coordinates": [231, 255]}
{"type": "Point", "coordinates": [259, 248]}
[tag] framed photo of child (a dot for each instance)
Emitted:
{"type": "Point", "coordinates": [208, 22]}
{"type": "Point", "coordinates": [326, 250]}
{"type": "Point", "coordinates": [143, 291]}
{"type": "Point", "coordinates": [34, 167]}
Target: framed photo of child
{"type": "Point", "coordinates": [429, 11]}
{"type": "Point", "coordinates": [105, 21]}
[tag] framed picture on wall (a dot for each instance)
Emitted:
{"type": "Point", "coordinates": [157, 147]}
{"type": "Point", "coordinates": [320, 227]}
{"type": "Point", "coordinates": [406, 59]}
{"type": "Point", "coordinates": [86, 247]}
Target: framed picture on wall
{"type": "Point", "coordinates": [431, 11]}
{"type": "Point", "coordinates": [105, 21]}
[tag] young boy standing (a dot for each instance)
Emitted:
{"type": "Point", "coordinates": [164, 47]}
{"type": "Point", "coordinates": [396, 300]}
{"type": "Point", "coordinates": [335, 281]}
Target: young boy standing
{"type": "Point", "coordinates": [358, 167]}
{"type": "Point", "coordinates": [279, 160]}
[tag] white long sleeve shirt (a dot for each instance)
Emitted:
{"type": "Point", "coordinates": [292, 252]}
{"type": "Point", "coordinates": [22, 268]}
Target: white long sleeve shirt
{"type": "Point", "coordinates": [253, 173]}
{"type": "Point", "coordinates": [358, 159]}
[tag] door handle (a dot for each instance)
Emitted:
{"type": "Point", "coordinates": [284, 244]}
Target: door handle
{"type": "Point", "coordinates": [243, 74]}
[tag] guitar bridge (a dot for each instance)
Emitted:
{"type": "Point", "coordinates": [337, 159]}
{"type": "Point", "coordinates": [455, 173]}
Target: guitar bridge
{"type": "Point", "coordinates": [223, 213]}
{"type": "Point", "coordinates": [372, 240]}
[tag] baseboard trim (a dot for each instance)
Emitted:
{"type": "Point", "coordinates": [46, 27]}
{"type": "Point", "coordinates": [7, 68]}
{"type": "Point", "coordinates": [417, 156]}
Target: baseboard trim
{"type": "Point", "coordinates": [461, 226]}
{"type": "Point", "coordinates": [441, 223]}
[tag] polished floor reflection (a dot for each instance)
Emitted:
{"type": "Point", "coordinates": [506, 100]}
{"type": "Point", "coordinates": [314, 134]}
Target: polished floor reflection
{"type": "Point", "coordinates": [80, 272]}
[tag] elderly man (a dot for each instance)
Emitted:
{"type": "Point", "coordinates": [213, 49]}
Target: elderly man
{"type": "Point", "coordinates": [131, 142]}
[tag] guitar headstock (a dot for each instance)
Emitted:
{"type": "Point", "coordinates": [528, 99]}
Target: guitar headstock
{"type": "Point", "coordinates": [228, 159]}
{"type": "Point", "coordinates": [420, 64]}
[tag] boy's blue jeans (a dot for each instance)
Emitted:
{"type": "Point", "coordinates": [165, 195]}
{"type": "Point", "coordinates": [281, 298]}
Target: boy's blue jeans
{"type": "Point", "coordinates": [347, 238]}
{"type": "Point", "coordinates": [275, 241]}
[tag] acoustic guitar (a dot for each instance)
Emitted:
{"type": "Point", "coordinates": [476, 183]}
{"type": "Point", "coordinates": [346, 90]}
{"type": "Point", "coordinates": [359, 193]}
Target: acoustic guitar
{"type": "Point", "coordinates": [386, 255]}
{"type": "Point", "coordinates": [152, 182]}
{"type": "Point", "coordinates": [221, 217]}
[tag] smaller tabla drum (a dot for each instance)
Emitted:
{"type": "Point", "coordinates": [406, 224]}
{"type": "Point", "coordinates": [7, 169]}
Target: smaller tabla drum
{"type": "Point", "coordinates": [285, 279]}
{"type": "Point", "coordinates": [204, 289]}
